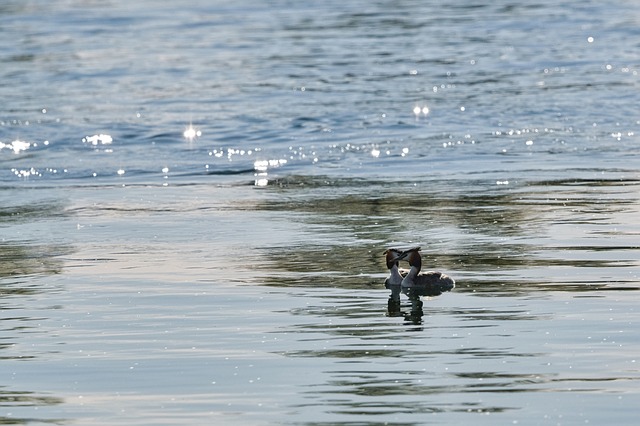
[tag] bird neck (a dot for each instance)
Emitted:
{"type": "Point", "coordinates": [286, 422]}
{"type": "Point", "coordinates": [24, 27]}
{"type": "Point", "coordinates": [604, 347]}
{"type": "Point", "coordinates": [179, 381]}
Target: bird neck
{"type": "Point", "coordinates": [413, 272]}
{"type": "Point", "coordinates": [410, 278]}
{"type": "Point", "coordinates": [395, 274]}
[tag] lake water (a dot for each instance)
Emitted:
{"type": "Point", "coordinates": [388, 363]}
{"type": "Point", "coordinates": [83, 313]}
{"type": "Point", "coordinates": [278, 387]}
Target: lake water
{"type": "Point", "coordinates": [195, 198]}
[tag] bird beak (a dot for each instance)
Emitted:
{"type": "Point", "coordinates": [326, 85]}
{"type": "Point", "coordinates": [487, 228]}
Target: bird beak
{"type": "Point", "coordinates": [403, 255]}
{"type": "Point", "coordinates": [400, 257]}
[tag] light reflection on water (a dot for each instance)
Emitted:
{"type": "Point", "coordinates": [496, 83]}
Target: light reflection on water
{"type": "Point", "coordinates": [463, 360]}
{"type": "Point", "coordinates": [183, 299]}
{"type": "Point", "coordinates": [231, 271]}
{"type": "Point", "coordinates": [512, 236]}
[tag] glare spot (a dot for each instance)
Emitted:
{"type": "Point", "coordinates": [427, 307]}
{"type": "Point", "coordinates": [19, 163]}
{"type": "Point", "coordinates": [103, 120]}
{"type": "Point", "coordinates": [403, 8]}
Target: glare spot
{"type": "Point", "coordinates": [26, 173]}
{"type": "Point", "coordinates": [413, 72]}
{"type": "Point", "coordinates": [262, 166]}
{"type": "Point", "coordinates": [190, 133]}
{"type": "Point", "coordinates": [95, 140]}
{"type": "Point", "coordinates": [120, 172]}
{"type": "Point", "coordinates": [462, 108]}
{"type": "Point", "coordinates": [529, 142]}
{"type": "Point", "coordinates": [16, 146]}
{"type": "Point", "coordinates": [424, 110]}
{"type": "Point", "coordinates": [375, 152]}
{"type": "Point", "coordinates": [405, 151]}
{"type": "Point", "coordinates": [590, 39]}
{"type": "Point", "coordinates": [165, 170]}
{"type": "Point", "coordinates": [502, 182]}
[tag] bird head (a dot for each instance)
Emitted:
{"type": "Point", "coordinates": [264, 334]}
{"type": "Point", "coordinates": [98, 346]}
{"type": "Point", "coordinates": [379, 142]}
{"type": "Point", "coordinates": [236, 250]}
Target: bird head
{"type": "Point", "coordinates": [393, 256]}
{"type": "Point", "coordinates": [414, 258]}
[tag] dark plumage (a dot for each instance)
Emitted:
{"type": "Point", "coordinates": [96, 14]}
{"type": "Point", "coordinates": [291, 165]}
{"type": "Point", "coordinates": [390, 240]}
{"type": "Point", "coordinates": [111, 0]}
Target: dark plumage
{"type": "Point", "coordinates": [430, 283]}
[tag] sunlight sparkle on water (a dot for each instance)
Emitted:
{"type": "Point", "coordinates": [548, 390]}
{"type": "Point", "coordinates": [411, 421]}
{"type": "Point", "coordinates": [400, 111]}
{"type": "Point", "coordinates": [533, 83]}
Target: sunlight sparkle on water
{"type": "Point", "coordinates": [190, 133]}
{"type": "Point", "coordinates": [26, 173]}
{"type": "Point", "coordinates": [261, 167]}
{"type": "Point", "coordinates": [16, 146]}
{"type": "Point", "coordinates": [421, 110]}
{"type": "Point", "coordinates": [101, 139]}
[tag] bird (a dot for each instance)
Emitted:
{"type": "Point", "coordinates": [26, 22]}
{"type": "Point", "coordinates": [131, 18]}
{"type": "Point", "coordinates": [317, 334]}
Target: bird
{"type": "Point", "coordinates": [430, 283]}
{"type": "Point", "coordinates": [412, 283]}
{"type": "Point", "coordinates": [393, 257]}
{"type": "Point", "coordinates": [394, 281]}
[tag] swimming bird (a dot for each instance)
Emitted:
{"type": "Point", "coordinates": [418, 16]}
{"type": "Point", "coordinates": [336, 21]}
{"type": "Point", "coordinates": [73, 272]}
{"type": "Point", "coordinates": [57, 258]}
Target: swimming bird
{"type": "Point", "coordinates": [430, 283]}
{"type": "Point", "coordinates": [393, 258]}
{"type": "Point", "coordinates": [394, 281]}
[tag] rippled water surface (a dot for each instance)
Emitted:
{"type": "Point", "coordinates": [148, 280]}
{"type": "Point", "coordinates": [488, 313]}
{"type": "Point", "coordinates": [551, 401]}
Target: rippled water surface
{"type": "Point", "coordinates": [195, 199]}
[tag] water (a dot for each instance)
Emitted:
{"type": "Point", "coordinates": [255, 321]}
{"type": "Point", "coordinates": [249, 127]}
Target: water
{"type": "Point", "coordinates": [195, 198]}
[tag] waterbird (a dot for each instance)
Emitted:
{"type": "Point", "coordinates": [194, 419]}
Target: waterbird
{"type": "Point", "coordinates": [393, 257]}
{"type": "Point", "coordinates": [396, 275]}
{"type": "Point", "coordinates": [430, 283]}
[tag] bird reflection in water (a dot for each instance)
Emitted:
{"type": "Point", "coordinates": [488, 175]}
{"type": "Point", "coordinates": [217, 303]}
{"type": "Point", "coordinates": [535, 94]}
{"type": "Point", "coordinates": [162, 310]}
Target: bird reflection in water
{"type": "Point", "coordinates": [413, 283]}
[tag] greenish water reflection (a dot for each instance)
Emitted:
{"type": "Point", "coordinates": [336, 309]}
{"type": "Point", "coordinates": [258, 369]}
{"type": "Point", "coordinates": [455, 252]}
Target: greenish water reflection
{"type": "Point", "coordinates": [20, 260]}
{"type": "Point", "coordinates": [570, 235]}
{"type": "Point", "coordinates": [25, 249]}
{"type": "Point", "coordinates": [27, 399]}
{"type": "Point", "coordinates": [26, 257]}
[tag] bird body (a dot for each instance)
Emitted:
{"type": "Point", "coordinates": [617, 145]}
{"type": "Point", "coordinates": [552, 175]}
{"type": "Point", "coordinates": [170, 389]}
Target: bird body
{"type": "Point", "coordinates": [430, 283]}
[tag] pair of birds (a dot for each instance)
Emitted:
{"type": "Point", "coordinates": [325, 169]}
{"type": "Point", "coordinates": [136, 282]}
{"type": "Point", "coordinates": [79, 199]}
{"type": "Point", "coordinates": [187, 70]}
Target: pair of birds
{"type": "Point", "coordinates": [430, 283]}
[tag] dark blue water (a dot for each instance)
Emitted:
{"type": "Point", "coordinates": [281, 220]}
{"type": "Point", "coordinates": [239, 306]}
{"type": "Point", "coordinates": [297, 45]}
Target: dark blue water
{"type": "Point", "coordinates": [195, 199]}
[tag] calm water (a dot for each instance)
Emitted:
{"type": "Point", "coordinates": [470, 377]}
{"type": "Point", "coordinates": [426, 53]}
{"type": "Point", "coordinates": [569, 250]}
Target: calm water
{"type": "Point", "coordinates": [195, 199]}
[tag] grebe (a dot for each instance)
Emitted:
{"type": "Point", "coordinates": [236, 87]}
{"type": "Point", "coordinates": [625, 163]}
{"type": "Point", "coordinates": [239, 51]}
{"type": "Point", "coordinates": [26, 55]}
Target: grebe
{"type": "Point", "coordinates": [394, 281]}
{"type": "Point", "coordinates": [393, 257]}
{"type": "Point", "coordinates": [425, 284]}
